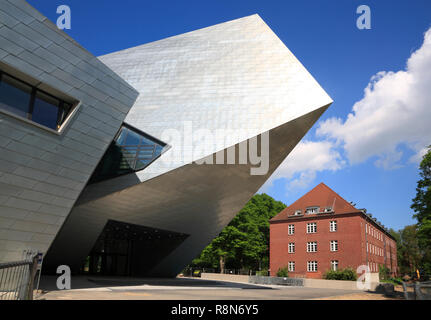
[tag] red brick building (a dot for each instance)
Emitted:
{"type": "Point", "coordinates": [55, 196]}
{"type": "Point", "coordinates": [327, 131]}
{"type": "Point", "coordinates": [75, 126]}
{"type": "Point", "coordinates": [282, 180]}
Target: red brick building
{"type": "Point", "coordinates": [322, 231]}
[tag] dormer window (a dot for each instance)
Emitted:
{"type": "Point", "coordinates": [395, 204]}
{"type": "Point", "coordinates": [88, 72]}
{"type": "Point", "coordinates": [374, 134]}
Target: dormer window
{"type": "Point", "coordinates": [312, 210]}
{"type": "Point", "coordinates": [328, 209]}
{"type": "Point", "coordinates": [298, 212]}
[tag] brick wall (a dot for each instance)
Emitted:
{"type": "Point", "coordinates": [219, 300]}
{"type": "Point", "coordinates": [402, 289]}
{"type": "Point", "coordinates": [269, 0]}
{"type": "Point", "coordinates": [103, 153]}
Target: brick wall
{"type": "Point", "coordinates": [350, 234]}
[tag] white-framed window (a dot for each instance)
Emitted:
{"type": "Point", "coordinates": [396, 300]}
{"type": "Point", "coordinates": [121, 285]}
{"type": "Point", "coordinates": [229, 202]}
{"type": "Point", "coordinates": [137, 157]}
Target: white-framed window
{"type": "Point", "coordinates": [328, 209]}
{"type": "Point", "coordinates": [298, 212]}
{"type": "Point", "coordinates": [334, 265]}
{"type": "Point", "coordinates": [333, 226]}
{"type": "Point", "coordinates": [334, 245]}
{"type": "Point", "coordinates": [292, 247]}
{"type": "Point", "coordinates": [311, 266]}
{"type": "Point", "coordinates": [312, 246]}
{"type": "Point", "coordinates": [291, 229]}
{"type": "Point", "coordinates": [312, 210]}
{"type": "Point", "coordinates": [312, 227]}
{"type": "Point", "coordinates": [291, 266]}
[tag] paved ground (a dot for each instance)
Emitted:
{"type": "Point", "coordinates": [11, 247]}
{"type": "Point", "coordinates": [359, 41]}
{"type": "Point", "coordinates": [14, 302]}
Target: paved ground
{"type": "Point", "coordinates": [96, 288]}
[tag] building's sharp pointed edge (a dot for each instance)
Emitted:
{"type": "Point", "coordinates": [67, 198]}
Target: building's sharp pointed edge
{"type": "Point", "coordinates": [183, 77]}
{"type": "Point", "coordinates": [236, 75]}
{"type": "Point", "coordinates": [199, 200]}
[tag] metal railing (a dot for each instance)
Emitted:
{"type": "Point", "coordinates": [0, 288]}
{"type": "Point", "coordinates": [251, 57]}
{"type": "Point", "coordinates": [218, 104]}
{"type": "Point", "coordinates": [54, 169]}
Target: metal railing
{"type": "Point", "coordinates": [245, 272]}
{"type": "Point", "coordinates": [281, 281]}
{"type": "Point", "coordinates": [17, 279]}
{"type": "Point", "coordinates": [421, 290]}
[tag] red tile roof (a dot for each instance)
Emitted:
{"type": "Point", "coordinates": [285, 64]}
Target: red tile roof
{"type": "Point", "coordinates": [321, 196]}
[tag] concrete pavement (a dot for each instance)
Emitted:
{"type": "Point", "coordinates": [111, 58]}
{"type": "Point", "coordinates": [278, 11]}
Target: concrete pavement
{"type": "Point", "coordinates": [115, 288]}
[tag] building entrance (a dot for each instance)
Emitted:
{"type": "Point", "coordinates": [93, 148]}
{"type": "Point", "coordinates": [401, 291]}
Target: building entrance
{"type": "Point", "coordinates": [125, 249]}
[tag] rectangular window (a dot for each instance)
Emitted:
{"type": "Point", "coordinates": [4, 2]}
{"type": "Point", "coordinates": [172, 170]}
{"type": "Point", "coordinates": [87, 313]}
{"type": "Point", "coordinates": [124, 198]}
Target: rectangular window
{"type": "Point", "coordinates": [312, 266]}
{"type": "Point", "coordinates": [334, 245]}
{"type": "Point", "coordinates": [292, 247]}
{"type": "Point", "coordinates": [46, 110]}
{"type": "Point", "coordinates": [291, 266]}
{"type": "Point", "coordinates": [333, 226]}
{"type": "Point", "coordinates": [334, 265]}
{"type": "Point", "coordinates": [312, 227]}
{"type": "Point", "coordinates": [312, 246]}
{"type": "Point", "coordinates": [26, 101]}
{"type": "Point", "coordinates": [291, 229]}
{"type": "Point", "coordinates": [312, 210]}
{"type": "Point", "coordinates": [14, 96]}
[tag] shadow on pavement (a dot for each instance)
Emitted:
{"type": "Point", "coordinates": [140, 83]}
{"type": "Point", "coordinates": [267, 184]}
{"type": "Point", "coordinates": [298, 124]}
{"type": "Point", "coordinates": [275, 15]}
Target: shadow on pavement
{"type": "Point", "coordinates": [48, 283]}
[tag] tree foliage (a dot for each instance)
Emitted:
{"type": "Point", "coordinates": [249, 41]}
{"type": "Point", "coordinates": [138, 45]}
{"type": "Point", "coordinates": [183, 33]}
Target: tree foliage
{"type": "Point", "coordinates": [244, 243]}
{"type": "Point", "coordinates": [408, 251]}
{"type": "Point", "coordinates": [422, 207]}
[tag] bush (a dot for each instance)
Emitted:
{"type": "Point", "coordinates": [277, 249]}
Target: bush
{"type": "Point", "coordinates": [343, 274]}
{"type": "Point", "coordinates": [384, 272]}
{"type": "Point", "coordinates": [283, 272]}
{"type": "Point", "coordinates": [394, 281]}
{"type": "Point", "coordinates": [263, 272]}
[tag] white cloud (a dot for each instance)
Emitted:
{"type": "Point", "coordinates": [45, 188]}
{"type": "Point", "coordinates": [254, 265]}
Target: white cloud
{"type": "Point", "coordinates": [304, 161]}
{"type": "Point", "coordinates": [395, 110]}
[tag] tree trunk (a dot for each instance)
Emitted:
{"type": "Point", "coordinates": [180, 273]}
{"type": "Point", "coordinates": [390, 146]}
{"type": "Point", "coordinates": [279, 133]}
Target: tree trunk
{"type": "Point", "coordinates": [221, 264]}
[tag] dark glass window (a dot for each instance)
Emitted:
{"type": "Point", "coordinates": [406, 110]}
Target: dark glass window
{"type": "Point", "coordinates": [45, 110]}
{"type": "Point", "coordinates": [15, 96]}
{"type": "Point", "coordinates": [29, 102]}
{"type": "Point", "coordinates": [131, 150]}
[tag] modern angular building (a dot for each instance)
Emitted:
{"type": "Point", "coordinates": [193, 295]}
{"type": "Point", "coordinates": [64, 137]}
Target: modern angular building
{"type": "Point", "coordinates": [131, 163]}
{"type": "Point", "coordinates": [321, 231]}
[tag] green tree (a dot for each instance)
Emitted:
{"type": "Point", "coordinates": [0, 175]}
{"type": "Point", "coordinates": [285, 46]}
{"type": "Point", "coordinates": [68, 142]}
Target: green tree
{"type": "Point", "coordinates": [422, 207]}
{"type": "Point", "coordinates": [408, 251]}
{"type": "Point", "coordinates": [244, 243]}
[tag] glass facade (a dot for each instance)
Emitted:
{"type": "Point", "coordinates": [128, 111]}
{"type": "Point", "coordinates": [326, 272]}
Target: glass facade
{"type": "Point", "coordinates": [131, 150]}
{"type": "Point", "coordinates": [26, 101]}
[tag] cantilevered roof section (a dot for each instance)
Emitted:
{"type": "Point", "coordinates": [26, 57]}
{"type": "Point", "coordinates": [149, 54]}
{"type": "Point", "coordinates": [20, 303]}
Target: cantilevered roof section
{"type": "Point", "coordinates": [236, 76]}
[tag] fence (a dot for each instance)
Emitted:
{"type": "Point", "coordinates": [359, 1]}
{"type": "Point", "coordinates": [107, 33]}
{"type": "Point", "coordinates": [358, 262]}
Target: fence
{"type": "Point", "coordinates": [17, 279]}
{"type": "Point", "coordinates": [245, 272]}
{"type": "Point", "coordinates": [283, 281]}
{"type": "Point", "coordinates": [422, 291]}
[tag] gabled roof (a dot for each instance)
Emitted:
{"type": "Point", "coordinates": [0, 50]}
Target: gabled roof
{"type": "Point", "coordinates": [320, 196]}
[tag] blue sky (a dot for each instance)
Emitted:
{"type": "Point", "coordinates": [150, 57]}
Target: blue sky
{"type": "Point", "coordinates": [323, 36]}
